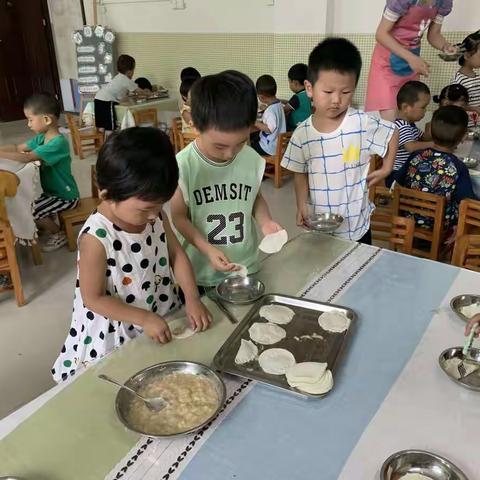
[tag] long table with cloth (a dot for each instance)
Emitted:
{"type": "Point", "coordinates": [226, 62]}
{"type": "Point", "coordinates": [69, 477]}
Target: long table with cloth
{"type": "Point", "coordinates": [389, 392]}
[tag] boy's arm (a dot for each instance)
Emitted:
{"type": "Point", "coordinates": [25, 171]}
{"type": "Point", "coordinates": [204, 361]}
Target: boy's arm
{"type": "Point", "coordinates": [417, 145]}
{"type": "Point", "coordinates": [262, 126]}
{"type": "Point", "coordinates": [193, 236]}
{"type": "Point", "coordinates": [25, 157]}
{"type": "Point", "coordinates": [378, 175]}
{"type": "Point", "coordinates": [197, 314]}
{"type": "Point", "coordinates": [262, 215]}
{"type": "Point", "coordinates": [301, 195]}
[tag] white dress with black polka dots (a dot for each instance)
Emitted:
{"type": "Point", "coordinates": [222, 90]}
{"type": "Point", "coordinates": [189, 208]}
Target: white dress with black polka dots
{"type": "Point", "coordinates": [138, 272]}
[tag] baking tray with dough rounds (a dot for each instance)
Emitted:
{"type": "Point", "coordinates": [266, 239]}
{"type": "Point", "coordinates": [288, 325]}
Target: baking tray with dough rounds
{"type": "Point", "coordinates": [304, 338]}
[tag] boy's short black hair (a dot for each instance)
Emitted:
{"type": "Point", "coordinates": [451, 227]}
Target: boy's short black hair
{"type": "Point", "coordinates": [125, 63]}
{"type": "Point", "coordinates": [410, 91]}
{"type": "Point", "coordinates": [43, 104]}
{"type": "Point", "coordinates": [186, 86]}
{"type": "Point", "coordinates": [144, 83]}
{"type": "Point", "coordinates": [449, 125]}
{"type": "Point", "coordinates": [137, 162]}
{"type": "Point", "coordinates": [298, 72]}
{"type": "Point", "coordinates": [226, 101]}
{"type": "Point", "coordinates": [337, 54]}
{"type": "Point", "coordinates": [266, 85]}
{"type": "Point", "coordinates": [452, 93]}
{"type": "Point", "coordinates": [189, 72]}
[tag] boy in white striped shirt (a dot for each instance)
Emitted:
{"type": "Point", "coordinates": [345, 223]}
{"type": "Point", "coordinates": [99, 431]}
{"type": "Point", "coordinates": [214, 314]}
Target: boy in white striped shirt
{"type": "Point", "coordinates": [412, 101]}
{"type": "Point", "coordinates": [330, 151]}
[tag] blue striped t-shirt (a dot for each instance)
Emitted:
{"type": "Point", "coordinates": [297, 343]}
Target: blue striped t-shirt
{"type": "Point", "coordinates": [408, 132]}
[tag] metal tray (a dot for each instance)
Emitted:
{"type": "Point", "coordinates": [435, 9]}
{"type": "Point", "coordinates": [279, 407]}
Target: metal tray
{"type": "Point", "coordinates": [305, 323]}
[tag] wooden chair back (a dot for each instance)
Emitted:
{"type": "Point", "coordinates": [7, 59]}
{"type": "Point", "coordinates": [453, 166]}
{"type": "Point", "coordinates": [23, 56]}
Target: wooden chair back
{"type": "Point", "coordinates": [466, 253]}
{"type": "Point", "coordinates": [408, 202]}
{"type": "Point", "coordinates": [276, 171]}
{"type": "Point", "coordinates": [175, 132]}
{"type": "Point", "coordinates": [83, 138]}
{"type": "Point", "coordinates": [468, 217]}
{"type": "Point", "coordinates": [8, 257]}
{"type": "Point", "coordinates": [146, 117]}
{"type": "Point", "coordinates": [401, 234]}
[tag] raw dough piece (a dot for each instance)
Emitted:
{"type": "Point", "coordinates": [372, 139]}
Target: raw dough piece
{"type": "Point", "coordinates": [241, 272]}
{"type": "Point", "coordinates": [277, 314]}
{"type": "Point", "coordinates": [471, 310]}
{"type": "Point", "coordinates": [320, 387]}
{"type": "Point", "coordinates": [247, 352]}
{"type": "Point", "coordinates": [306, 372]}
{"type": "Point", "coordinates": [180, 328]}
{"type": "Point", "coordinates": [266, 333]}
{"type": "Point", "coordinates": [274, 242]}
{"type": "Point", "coordinates": [334, 322]}
{"type": "Point", "coordinates": [415, 476]}
{"type": "Point", "coordinates": [451, 365]}
{"type": "Point", "coordinates": [276, 361]}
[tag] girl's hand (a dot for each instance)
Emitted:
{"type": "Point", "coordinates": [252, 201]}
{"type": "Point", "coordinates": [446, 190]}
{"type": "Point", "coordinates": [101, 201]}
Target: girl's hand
{"type": "Point", "coordinates": [219, 261]}
{"type": "Point", "coordinates": [473, 323]}
{"type": "Point", "coordinates": [419, 65]}
{"type": "Point", "coordinates": [271, 227]}
{"type": "Point", "coordinates": [156, 328]}
{"type": "Point", "coordinates": [198, 315]}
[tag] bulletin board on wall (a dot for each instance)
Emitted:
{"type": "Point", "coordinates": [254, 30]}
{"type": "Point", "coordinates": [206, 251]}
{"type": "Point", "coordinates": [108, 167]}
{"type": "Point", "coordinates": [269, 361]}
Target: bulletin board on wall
{"type": "Point", "coordinates": [95, 52]}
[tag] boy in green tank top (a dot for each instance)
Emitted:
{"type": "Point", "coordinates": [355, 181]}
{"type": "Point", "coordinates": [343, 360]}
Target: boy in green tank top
{"type": "Point", "coordinates": [218, 198]}
{"type": "Point", "coordinates": [299, 107]}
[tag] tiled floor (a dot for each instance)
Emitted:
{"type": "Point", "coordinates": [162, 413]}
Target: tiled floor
{"type": "Point", "coordinates": [32, 335]}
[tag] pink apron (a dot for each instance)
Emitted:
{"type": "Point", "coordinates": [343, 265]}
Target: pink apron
{"type": "Point", "coordinates": [383, 82]}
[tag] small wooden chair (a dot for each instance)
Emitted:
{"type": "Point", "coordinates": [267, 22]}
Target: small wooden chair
{"type": "Point", "coordinates": [466, 253]}
{"type": "Point", "coordinates": [407, 202]}
{"type": "Point", "coordinates": [8, 257]}
{"type": "Point", "coordinates": [468, 217]}
{"type": "Point", "coordinates": [146, 117]}
{"type": "Point", "coordinates": [78, 215]}
{"type": "Point", "coordinates": [401, 234]}
{"type": "Point", "coordinates": [276, 171]}
{"type": "Point", "coordinates": [83, 138]}
{"type": "Point", "coordinates": [381, 219]}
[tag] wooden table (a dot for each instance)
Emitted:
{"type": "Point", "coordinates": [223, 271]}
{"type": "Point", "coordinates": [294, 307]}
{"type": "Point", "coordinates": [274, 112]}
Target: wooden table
{"type": "Point", "coordinates": [389, 392]}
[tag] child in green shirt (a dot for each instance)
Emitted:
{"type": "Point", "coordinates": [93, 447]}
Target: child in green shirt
{"type": "Point", "coordinates": [219, 195]}
{"type": "Point", "coordinates": [60, 191]}
{"type": "Point", "coordinates": [299, 107]}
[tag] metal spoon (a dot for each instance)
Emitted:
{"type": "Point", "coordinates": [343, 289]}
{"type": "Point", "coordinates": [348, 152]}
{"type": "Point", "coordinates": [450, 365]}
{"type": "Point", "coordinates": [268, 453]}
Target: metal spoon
{"type": "Point", "coordinates": [154, 403]}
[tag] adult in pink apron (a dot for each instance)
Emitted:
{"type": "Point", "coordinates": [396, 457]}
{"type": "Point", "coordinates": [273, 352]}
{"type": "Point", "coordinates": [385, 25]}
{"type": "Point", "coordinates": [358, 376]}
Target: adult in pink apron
{"type": "Point", "coordinates": [396, 57]}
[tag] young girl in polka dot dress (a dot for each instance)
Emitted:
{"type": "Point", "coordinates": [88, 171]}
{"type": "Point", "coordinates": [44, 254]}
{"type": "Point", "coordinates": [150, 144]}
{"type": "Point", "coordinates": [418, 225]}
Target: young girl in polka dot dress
{"type": "Point", "coordinates": [126, 251]}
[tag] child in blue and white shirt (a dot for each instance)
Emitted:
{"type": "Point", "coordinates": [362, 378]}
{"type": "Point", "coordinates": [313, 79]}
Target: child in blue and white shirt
{"type": "Point", "coordinates": [273, 121]}
{"type": "Point", "coordinates": [330, 151]}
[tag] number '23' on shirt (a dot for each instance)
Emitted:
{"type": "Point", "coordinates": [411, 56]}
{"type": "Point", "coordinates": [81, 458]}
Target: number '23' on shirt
{"type": "Point", "coordinates": [220, 198]}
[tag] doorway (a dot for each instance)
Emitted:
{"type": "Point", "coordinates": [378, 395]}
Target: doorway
{"type": "Point", "coordinates": [27, 56]}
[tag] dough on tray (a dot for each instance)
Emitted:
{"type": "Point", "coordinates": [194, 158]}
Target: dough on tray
{"type": "Point", "coordinates": [335, 322]}
{"type": "Point", "coordinates": [276, 361]}
{"type": "Point", "coordinates": [247, 352]}
{"type": "Point", "coordinates": [277, 314]}
{"type": "Point", "coordinates": [266, 333]}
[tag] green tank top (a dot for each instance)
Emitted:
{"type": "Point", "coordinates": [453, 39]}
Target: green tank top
{"type": "Point", "coordinates": [220, 199]}
{"type": "Point", "coordinates": [302, 112]}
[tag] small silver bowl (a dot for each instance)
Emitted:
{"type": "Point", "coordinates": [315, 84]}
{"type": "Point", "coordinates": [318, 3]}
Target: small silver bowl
{"type": "Point", "coordinates": [240, 290]}
{"type": "Point", "coordinates": [472, 381]}
{"type": "Point", "coordinates": [124, 398]}
{"type": "Point", "coordinates": [419, 461]}
{"type": "Point", "coordinates": [324, 222]}
{"type": "Point", "coordinates": [458, 303]}
{"type": "Point", "coordinates": [470, 162]}
{"type": "Point", "coordinates": [450, 57]}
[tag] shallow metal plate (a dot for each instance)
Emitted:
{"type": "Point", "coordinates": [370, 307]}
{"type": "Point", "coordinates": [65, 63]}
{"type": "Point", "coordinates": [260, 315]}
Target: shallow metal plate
{"type": "Point", "coordinates": [124, 398]}
{"type": "Point", "coordinates": [324, 222]}
{"type": "Point", "coordinates": [470, 162]}
{"type": "Point", "coordinates": [419, 461]}
{"type": "Point", "coordinates": [305, 347]}
{"type": "Point", "coordinates": [472, 381]}
{"type": "Point", "coordinates": [461, 301]}
{"type": "Point", "coordinates": [240, 290]}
